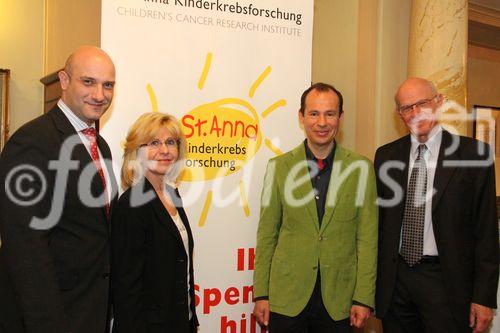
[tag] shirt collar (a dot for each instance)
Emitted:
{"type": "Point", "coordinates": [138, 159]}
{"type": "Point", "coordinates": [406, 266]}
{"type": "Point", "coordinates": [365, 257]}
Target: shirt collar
{"type": "Point", "coordinates": [77, 123]}
{"type": "Point", "coordinates": [433, 142]}
{"type": "Point", "coordinates": [328, 160]}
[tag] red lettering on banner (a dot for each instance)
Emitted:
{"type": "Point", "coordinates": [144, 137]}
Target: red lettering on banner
{"type": "Point", "coordinates": [247, 294]}
{"type": "Point", "coordinates": [215, 126]}
{"type": "Point", "coordinates": [218, 128]}
{"type": "Point", "coordinates": [212, 297]}
{"type": "Point", "coordinates": [232, 296]}
{"type": "Point", "coordinates": [241, 259]}
{"type": "Point", "coordinates": [186, 121]}
{"type": "Point", "coordinates": [250, 259]}
{"type": "Point", "coordinates": [196, 297]}
{"type": "Point", "coordinates": [243, 324]}
{"type": "Point", "coordinates": [231, 326]}
{"type": "Point", "coordinates": [225, 325]}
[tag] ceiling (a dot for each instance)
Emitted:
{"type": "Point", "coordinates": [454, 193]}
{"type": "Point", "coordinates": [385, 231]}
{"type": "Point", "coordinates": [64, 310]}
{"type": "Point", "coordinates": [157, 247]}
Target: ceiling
{"type": "Point", "coordinates": [484, 35]}
{"type": "Point", "coordinates": [484, 23]}
{"type": "Point", "coordinates": [494, 4]}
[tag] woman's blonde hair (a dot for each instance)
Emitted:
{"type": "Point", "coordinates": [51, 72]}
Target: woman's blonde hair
{"type": "Point", "coordinates": [143, 131]}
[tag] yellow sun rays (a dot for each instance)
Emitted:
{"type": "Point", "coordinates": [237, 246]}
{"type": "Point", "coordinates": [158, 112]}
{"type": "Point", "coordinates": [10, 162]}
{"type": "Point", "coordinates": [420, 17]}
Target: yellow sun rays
{"type": "Point", "coordinates": [273, 107]}
{"type": "Point", "coordinates": [154, 106]}
{"type": "Point", "coordinates": [259, 80]}
{"type": "Point", "coordinates": [204, 73]}
{"type": "Point", "coordinates": [272, 147]}
{"type": "Point", "coordinates": [244, 200]}
{"type": "Point", "coordinates": [270, 109]}
{"type": "Point", "coordinates": [152, 98]}
{"type": "Point", "coordinates": [206, 207]}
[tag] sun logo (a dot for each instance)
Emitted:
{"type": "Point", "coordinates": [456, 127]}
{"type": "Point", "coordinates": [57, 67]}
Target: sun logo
{"type": "Point", "coordinates": [222, 136]}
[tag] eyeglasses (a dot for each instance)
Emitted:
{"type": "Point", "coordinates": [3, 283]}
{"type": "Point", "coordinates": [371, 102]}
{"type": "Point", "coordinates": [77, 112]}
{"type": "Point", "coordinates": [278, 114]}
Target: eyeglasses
{"type": "Point", "coordinates": [156, 144]}
{"type": "Point", "coordinates": [405, 109]}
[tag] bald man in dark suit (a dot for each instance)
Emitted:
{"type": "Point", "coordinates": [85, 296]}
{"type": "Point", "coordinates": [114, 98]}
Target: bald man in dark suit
{"type": "Point", "coordinates": [55, 204]}
{"type": "Point", "coordinates": [438, 239]}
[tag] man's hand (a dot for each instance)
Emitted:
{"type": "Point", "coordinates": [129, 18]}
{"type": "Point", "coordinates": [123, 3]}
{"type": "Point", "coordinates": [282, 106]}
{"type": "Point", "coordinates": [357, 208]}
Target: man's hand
{"type": "Point", "coordinates": [359, 315]}
{"type": "Point", "coordinates": [480, 317]}
{"type": "Point", "coordinates": [261, 312]}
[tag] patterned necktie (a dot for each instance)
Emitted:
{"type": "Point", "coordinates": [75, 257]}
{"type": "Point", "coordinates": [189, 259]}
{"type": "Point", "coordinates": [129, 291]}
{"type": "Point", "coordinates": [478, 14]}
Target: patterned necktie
{"type": "Point", "coordinates": [414, 216]}
{"type": "Point", "coordinates": [90, 134]}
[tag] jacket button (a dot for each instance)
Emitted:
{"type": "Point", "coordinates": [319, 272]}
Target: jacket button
{"type": "Point", "coordinates": [105, 275]}
{"type": "Point", "coordinates": [320, 238]}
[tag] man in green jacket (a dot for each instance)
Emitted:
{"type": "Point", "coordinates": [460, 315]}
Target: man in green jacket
{"type": "Point", "coordinates": [316, 254]}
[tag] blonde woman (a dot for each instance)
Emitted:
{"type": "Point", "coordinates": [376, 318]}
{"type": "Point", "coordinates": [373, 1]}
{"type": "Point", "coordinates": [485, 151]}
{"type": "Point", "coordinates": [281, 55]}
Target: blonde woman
{"type": "Point", "coordinates": [152, 244]}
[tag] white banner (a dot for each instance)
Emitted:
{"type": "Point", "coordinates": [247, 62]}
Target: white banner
{"type": "Point", "coordinates": [232, 72]}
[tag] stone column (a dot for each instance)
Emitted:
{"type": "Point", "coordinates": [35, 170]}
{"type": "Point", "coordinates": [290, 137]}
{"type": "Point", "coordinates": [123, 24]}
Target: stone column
{"type": "Point", "coordinates": [438, 52]}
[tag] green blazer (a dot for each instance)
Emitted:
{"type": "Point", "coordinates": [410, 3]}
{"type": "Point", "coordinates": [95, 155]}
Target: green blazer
{"type": "Point", "coordinates": [291, 244]}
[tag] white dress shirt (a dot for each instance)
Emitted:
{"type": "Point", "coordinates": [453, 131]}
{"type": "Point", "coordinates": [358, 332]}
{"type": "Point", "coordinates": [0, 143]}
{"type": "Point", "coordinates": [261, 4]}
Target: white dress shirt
{"type": "Point", "coordinates": [79, 126]}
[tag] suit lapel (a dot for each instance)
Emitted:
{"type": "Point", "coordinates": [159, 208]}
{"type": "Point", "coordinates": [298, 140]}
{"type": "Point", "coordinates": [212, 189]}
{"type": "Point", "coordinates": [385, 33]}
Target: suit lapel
{"type": "Point", "coordinates": [106, 154]}
{"type": "Point", "coordinates": [162, 214]}
{"type": "Point", "coordinates": [298, 160]}
{"type": "Point", "coordinates": [443, 174]}
{"type": "Point", "coordinates": [67, 131]}
{"type": "Point", "coordinates": [339, 161]}
{"type": "Point", "coordinates": [401, 154]}
{"type": "Point", "coordinates": [80, 153]}
{"type": "Point", "coordinates": [185, 221]}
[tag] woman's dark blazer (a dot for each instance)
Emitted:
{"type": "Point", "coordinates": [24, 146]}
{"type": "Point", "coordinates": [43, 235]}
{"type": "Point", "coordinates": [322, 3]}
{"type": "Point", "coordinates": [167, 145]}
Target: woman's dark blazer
{"type": "Point", "coordinates": [149, 265]}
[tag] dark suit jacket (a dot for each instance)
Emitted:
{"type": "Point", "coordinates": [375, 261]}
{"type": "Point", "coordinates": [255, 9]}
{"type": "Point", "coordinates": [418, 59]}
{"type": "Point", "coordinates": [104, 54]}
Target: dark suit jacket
{"type": "Point", "coordinates": [464, 222]}
{"type": "Point", "coordinates": [149, 267]}
{"type": "Point", "coordinates": [54, 280]}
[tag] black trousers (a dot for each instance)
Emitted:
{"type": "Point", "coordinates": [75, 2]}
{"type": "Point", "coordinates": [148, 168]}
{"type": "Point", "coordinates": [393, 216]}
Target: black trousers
{"type": "Point", "coordinates": [419, 302]}
{"type": "Point", "coordinates": [313, 319]}
{"type": "Point", "coordinates": [14, 326]}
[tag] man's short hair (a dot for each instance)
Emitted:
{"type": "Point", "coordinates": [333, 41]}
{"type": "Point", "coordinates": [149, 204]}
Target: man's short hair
{"type": "Point", "coordinates": [321, 87]}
